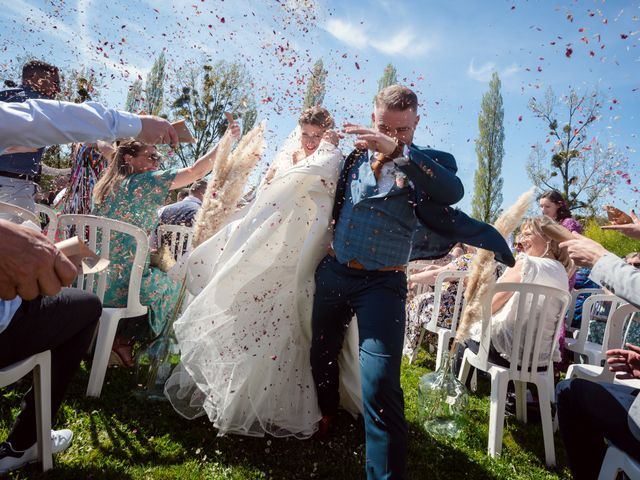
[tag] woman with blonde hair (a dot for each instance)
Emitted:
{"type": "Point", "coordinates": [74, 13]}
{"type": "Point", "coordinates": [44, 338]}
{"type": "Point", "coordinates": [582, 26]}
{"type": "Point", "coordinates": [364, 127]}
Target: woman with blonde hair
{"type": "Point", "coordinates": [540, 262]}
{"type": "Point", "coordinates": [131, 190]}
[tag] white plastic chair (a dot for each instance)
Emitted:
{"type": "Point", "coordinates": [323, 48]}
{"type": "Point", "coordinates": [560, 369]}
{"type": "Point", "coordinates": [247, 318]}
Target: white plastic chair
{"type": "Point", "coordinates": [597, 373]}
{"type": "Point", "coordinates": [581, 347]}
{"type": "Point", "coordinates": [616, 461]}
{"type": "Point", "coordinates": [571, 313]}
{"type": "Point", "coordinates": [96, 232]}
{"type": "Point", "coordinates": [19, 213]}
{"type": "Point", "coordinates": [444, 334]}
{"type": "Point", "coordinates": [178, 237]}
{"type": "Point", "coordinates": [533, 306]}
{"type": "Point", "coordinates": [40, 363]}
{"type": "Point", "coordinates": [52, 217]}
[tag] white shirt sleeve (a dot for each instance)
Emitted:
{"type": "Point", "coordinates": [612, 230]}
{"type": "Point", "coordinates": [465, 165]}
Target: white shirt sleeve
{"type": "Point", "coordinates": [37, 123]}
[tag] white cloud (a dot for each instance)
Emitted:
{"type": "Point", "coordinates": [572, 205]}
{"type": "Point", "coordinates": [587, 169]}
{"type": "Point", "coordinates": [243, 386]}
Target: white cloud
{"type": "Point", "coordinates": [405, 42]}
{"type": "Point", "coordinates": [483, 72]}
{"type": "Point", "coordinates": [352, 35]}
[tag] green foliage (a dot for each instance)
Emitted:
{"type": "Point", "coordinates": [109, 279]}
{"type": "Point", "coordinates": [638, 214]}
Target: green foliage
{"type": "Point", "coordinates": [613, 241]}
{"type": "Point", "coordinates": [117, 436]}
{"type": "Point", "coordinates": [574, 164]}
{"type": "Point", "coordinates": [134, 97]}
{"type": "Point", "coordinates": [154, 87]}
{"type": "Point", "coordinates": [389, 77]}
{"type": "Point", "coordinates": [202, 95]}
{"type": "Point", "coordinates": [316, 86]}
{"type": "Point", "coordinates": [487, 182]}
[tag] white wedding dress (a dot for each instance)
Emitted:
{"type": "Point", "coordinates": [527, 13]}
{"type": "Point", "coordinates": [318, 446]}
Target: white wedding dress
{"type": "Point", "coordinates": [245, 338]}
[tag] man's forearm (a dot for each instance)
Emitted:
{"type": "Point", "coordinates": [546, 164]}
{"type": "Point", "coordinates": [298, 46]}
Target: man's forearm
{"type": "Point", "coordinates": [621, 279]}
{"type": "Point", "coordinates": [38, 123]}
{"type": "Point", "coordinates": [432, 180]}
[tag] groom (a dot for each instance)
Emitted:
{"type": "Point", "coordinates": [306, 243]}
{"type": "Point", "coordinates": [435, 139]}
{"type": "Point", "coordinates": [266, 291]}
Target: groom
{"type": "Point", "coordinates": [390, 208]}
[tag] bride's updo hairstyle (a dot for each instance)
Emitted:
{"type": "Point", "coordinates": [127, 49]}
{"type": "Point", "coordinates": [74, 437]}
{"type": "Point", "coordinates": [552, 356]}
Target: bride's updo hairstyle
{"type": "Point", "coordinates": [318, 116]}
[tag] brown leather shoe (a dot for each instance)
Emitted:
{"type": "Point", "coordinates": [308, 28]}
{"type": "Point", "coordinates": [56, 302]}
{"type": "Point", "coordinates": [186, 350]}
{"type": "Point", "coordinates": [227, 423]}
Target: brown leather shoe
{"type": "Point", "coordinates": [324, 427]}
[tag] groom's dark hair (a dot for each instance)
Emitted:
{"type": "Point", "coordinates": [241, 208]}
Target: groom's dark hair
{"type": "Point", "coordinates": [318, 116]}
{"type": "Point", "coordinates": [397, 97]}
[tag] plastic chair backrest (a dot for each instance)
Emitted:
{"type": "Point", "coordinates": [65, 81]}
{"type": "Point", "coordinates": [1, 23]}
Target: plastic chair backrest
{"type": "Point", "coordinates": [96, 233]}
{"type": "Point", "coordinates": [453, 276]}
{"type": "Point", "coordinates": [575, 294]}
{"type": "Point", "coordinates": [589, 311]}
{"type": "Point", "coordinates": [23, 213]}
{"type": "Point", "coordinates": [52, 219]}
{"type": "Point", "coordinates": [533, 302]}
{"type": "Point", "coordinates": [178, 237]}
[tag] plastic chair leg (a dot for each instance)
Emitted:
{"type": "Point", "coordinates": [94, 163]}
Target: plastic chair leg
{"type": "Point", "coordinates": [106, 334]}
{"type": "Point", "coordinates": [414, 353]}
{"type": "Point", "coordinates": [612, 464]}
{"type": "Point", "coordinates": [465, 368]}
{"type": "Point", "coordinates": [544, 400]}
{"type": "Point", "coordinates": [521, 401]}
{"type": "Point", "coordinates": [499, 383]}
{"type": "Point", "coordinates": [443, 342]}
{"type": "Point", "coordinates": [42, 396]}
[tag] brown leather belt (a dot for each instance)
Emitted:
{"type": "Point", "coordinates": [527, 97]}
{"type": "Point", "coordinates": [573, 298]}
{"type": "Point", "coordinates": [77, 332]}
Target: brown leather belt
{"type": "Point", "coordinates": [358, 266]}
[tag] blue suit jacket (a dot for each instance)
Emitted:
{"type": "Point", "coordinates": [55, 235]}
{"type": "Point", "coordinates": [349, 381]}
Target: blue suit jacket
{"type": "Point", "coordinates": [435, 188]}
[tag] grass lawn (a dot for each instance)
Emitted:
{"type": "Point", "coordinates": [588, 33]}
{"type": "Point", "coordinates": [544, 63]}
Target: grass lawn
{"type": "Point", "coordinates": [119, 437]}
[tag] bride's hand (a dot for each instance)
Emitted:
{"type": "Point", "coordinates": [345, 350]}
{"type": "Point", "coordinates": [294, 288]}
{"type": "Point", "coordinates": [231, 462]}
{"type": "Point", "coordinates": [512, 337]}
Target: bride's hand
{"type": "Point", "coordinates": [332, 136]}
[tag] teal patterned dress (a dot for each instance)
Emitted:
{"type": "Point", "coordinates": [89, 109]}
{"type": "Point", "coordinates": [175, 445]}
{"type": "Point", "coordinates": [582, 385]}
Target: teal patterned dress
{"type": "Point", "coordinates": [136, 202]}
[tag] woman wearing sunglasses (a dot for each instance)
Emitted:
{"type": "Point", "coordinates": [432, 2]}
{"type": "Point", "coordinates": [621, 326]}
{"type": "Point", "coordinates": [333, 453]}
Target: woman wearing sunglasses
{"type": "Point", "coordinates": [131, 190]}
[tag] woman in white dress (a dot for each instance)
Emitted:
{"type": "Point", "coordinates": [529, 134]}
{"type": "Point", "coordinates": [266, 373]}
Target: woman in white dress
{"type": "Point", "coordinates": [245, 338]}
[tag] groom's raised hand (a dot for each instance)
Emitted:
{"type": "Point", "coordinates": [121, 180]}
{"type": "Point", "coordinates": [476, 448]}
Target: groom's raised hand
{"type": "Point", "coordinates": [368, 138]}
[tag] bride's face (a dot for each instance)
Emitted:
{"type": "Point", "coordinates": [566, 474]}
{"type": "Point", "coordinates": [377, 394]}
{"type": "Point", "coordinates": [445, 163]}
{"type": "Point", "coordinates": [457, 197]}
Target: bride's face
{"type": "Point", "coordinates": [310, 137]}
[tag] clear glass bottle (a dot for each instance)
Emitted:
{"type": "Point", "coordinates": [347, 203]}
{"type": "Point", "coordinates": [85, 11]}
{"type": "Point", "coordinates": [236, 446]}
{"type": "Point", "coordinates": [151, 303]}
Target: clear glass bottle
{"type": "Point", "coordinates": [154, 365]}
{"type": "Point", "coordinates": [443, 400]}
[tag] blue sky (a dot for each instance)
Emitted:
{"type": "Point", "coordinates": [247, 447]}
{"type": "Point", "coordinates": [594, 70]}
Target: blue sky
{"type": "Point", "coordinates": [445, 49]}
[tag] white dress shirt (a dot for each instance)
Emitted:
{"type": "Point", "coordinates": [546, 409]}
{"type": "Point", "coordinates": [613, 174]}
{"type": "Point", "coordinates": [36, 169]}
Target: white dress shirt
{"type": "Point", "coordinates": [38, 123]}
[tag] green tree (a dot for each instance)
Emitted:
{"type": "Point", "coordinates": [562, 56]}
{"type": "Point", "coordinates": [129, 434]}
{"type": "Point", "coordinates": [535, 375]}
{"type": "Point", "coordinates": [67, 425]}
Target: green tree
{"type": "Point", "coordinates": [389, 77]}
{"type": "Point", "coordinates": [578, 168]}
{"type": "Point", "coordinates": [487, 182]}
{"type": "Point", "coordinates": [154, 87]}
{"type": "Point", "coordinates": [135, 99]}
{"type": "Point", "coordinates": [202, 95]}
{"type": "Point", "coordinates": [316, 86]}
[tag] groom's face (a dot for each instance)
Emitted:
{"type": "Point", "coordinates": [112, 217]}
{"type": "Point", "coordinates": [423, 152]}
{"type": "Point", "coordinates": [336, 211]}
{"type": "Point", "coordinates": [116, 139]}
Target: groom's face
{"type": "Point", "coordinates": [398, 124]}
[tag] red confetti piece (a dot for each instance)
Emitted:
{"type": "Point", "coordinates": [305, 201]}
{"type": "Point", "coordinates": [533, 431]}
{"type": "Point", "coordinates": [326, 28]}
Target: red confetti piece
{"type": "Point", "coordinates": [357, 66]}
{"type": "Point", "coordinates": [568, 52]}
{"type": "Point", "coordinates": [520, 118]}
{"type": "Point", "coordinates": [624, 36]}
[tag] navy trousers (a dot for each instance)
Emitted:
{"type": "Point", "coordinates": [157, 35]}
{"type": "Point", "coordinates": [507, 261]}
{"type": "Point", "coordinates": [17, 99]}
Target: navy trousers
{"type": "Point", "coordinates": [378, 300]}
{"type": "Point", "coordinates": [588, 413]}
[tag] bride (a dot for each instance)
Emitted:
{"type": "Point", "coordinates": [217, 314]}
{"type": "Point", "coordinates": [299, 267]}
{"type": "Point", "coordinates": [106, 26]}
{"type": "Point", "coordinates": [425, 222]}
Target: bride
{"type": "Point", "coordinates": [246, 336]}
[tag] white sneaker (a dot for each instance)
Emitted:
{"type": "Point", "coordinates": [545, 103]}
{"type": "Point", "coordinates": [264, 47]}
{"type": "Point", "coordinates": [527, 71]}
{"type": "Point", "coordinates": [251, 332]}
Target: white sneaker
{"type": "Point", "coordinates": [11, 459]}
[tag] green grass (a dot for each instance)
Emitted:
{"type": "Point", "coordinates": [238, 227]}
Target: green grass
{"type": "Point", "coordinates": [117, 436]}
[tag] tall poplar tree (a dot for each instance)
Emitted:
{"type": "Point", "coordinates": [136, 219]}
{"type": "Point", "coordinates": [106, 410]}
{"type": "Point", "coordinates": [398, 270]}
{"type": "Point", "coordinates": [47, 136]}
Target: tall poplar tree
{"type": "Point", "coordinates": [316, 86]}
{"type": "Point", "coordinates": [487, 182]}
{"type": "Point", "coordinates": [389, 77]}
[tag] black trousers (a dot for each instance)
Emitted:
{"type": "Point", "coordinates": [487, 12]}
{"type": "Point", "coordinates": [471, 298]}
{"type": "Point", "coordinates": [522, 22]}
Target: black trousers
{"type": "Point", "coordinates": [64, 324]}
{"type": "Point", "coordinates": [589, 413]}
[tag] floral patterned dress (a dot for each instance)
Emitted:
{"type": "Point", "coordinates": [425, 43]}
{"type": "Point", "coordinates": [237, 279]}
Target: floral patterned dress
{"type": "Point", "coordinates": [420, 309]}
{"type": "Point", "coordinates": [137, 202]}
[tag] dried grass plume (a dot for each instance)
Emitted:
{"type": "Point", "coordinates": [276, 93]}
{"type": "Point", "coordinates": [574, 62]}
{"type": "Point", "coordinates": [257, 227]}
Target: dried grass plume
{"type": "Point", "coordinates": [481, 273]}
{"type": "Point", "coordinates": [228, 178]}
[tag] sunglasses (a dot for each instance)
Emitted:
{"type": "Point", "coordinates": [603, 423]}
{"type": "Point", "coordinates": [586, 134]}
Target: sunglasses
{"type": "Point", "coordinates": [635, 264]}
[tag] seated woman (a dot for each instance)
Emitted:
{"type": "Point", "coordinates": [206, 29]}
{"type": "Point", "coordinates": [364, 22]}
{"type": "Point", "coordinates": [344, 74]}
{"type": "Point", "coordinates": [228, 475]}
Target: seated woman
{"type": "Point", "coordinates": [131, 190]}
{"type": "Point", "coordinates": [541, 262]}
{"type": "Point", "coordinates": [420, 308]}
